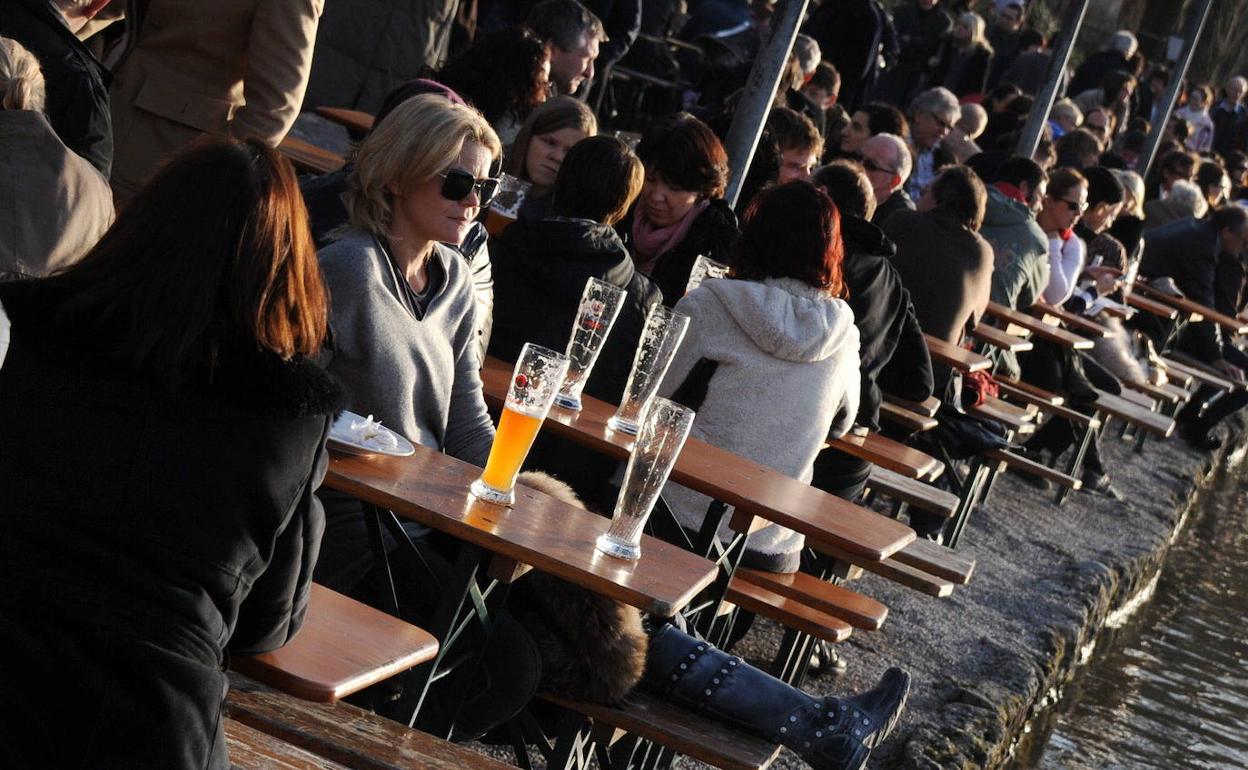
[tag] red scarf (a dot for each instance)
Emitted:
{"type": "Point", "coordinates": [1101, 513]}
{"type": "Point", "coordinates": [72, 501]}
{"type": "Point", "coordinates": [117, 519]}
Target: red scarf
{"type": "Point", "coordinates": [1011, 192]}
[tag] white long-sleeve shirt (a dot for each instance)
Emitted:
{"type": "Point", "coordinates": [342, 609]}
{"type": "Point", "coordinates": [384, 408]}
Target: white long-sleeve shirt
{"type": "Point", "coordinates": [1066, 258]}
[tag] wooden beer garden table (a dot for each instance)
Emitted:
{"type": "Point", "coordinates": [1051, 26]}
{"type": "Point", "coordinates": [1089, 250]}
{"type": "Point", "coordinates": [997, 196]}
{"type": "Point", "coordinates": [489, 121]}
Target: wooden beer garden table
{"type": "Point", "coordinates": [955, 356]}
{"type": "Point", "coordinates": [1195, 310]}
{"type": "Point", "coordinates": [753, 489]}
{"type": "Point", "coordinates": [500, 543]}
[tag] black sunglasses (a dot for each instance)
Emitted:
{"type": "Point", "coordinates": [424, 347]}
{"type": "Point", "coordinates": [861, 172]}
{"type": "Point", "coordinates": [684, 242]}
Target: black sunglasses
{"type": "Point", "coordinates": [458, 184]}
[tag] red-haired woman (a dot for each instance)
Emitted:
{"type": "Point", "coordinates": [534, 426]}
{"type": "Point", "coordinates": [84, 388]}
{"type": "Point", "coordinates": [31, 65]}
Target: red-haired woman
{"type": "Point", "coordinates": [784, 348]}
{"type": "Point", "coordinates": [161, 435]}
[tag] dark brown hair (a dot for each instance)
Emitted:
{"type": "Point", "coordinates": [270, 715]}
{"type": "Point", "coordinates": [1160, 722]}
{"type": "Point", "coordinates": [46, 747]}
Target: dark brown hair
{"type": "Point", "coordinates": [959, 192]}
{"type": "Point", "coordinates": [794, 131]}
{"type": "Point", "coordinates": [791, 231]}
{"type": "Point", "coordinates": [499, 72]}
{"type": "Point", "coordinates": [214, 252]}
{"type": "Point", "coordinates": [685, 152]}
{"type": "Point", "coordinates": [599, 179]}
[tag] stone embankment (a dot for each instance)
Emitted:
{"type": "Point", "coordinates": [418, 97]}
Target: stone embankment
{"type": "Point", "coordinates": [995, 656]}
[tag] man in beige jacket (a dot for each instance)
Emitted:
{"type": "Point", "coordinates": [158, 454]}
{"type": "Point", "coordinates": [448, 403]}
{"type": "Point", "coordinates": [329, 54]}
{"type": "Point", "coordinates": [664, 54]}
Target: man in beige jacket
{"type": "Point", "coordinates": [185, 69]}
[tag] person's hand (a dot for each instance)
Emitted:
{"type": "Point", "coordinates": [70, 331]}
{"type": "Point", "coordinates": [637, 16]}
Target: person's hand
{"type": "Point", "coordinates": [1106, 283]}
{"type": "Point", "coordinates": [1229, 369]}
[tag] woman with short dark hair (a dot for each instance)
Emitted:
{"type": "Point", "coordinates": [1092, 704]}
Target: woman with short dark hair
{"type": "Point", "coordinates": [681, 212]}
{"type": "Point", "coordinates": [166, 375]}
{"type": "Point", "coordinates": [504, 74]}
{"type": "Point", "coordinates": [784, 350]}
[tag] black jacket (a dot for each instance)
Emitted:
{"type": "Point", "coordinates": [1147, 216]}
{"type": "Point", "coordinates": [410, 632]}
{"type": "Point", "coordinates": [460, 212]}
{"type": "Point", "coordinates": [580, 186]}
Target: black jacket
{"type": "Point", "coordinates": [712, 235]}
{"type": "Point", "coordinates": [1186, 250]}
{"type": "Point", "coordinates": [77, 82]}
{"type": "Point", "coordinates": [893, 354]}
{"type": "Point", "coordinates": [1094, 69]}
{"type": "Point", "coordinates": [143, 531]}
{"type": "Point", "coordinates": [540, 269]}
{"type": "Point", "coordinates": [898, 201]}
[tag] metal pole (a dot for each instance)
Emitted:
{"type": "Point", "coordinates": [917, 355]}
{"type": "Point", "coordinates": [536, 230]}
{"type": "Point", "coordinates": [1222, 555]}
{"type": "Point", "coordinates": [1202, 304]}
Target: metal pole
{"type": "Point", "coordinates": [1029, 140]}
{"type": "Point", "coordinates": [760, 89]}
{"type": "Point", "coordinates": [1195, 25]}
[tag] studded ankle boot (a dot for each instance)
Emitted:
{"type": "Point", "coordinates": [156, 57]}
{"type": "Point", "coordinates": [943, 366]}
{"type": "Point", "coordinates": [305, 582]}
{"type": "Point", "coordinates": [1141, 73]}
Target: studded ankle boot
{"type": "Point", "coordinates": [827, 733]}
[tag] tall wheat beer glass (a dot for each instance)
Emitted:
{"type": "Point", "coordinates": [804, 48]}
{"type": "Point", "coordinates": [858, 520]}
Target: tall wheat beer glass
{"type": "Point", "coordinates": [537, 377]}
{"type": "Point", "coordinates": [664, 428]}
{"type": "Point", "coordinates": [600, 306]}
{"type": "Point", "coordinates": [660, 338]}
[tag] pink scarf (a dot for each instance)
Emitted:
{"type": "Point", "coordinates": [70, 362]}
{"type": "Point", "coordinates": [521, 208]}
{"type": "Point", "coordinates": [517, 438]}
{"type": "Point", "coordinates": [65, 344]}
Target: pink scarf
{"type": "Point", "coordinates": [650, 242]}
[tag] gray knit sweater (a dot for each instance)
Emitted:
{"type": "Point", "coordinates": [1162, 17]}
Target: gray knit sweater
{"type": "Point", "coordinates": [418, 376]}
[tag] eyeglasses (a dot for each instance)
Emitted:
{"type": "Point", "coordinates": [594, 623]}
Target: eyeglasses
{"type": "Point", "coordinates": [871, 165]}
{"type": "Point", "coordinates": [1076, 206]}
{"type": "Point", "coordinates": [458, 184]}
{"type": "Point", "coordinates": [945, 124]}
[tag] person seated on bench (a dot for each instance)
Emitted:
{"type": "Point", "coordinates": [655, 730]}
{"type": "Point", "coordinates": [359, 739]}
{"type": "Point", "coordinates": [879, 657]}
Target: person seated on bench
{"type": "Point", "coordinates": [775, 351]}
{"type": "Point", "coordinates": [538, 152]}
{"type": "Point", "coordinates": [1203, 257]}
{"type": "Point", "coordinates": [325, 196]}
{"type": "Point", "coordinates": [681, 213]}
{"type": "Point", "coordinates": [1078, 206]}
{"type": "Point", "coordinates": [63, 204]}
{"type": "Point", "coordinates": [540, 270]}
{"type": "Point", "coordinates": [164, 433]}
{"type": "Point", "coordinates": [943, 261]}
{"type": "Point", "coordinates": [384, 335]}
{"type": "Point", "coordinates": [892, 351]}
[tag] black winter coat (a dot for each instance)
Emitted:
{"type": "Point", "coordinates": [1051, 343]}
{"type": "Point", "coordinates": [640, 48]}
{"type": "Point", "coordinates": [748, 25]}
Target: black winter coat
{"type": "Point", "coordinates": [1187, 251]}
{"type": "Point", "coordinates": [77, 82]}
{"type": "Point", "coordinates": [712, 235]}
{"type": "Point", "coordinates": [142, 531]}
{"type": "Point", "coordinates": [540, 270]}
{"type": "Point", "coordinates": [892, 351]}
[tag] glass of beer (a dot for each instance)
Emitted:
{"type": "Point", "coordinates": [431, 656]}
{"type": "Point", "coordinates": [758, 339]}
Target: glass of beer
{"type": "Point", "coordinates": [534, 383]}
{"type": "Point", "coordinates": [703, 268]}
{"type": "Point", "coordinates": [600, 306]}
{"type": "Point", "coordinates": [660, 338]}
{"type": "Point", "coordinates": [505, 208]}
{"type": "Point", "coordinates": [664, 428]}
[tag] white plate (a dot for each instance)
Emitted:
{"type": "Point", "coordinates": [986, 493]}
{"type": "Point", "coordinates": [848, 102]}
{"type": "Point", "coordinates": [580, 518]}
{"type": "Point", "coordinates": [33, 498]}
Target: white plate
{"type": "Point", "coordinates": [340, 439]}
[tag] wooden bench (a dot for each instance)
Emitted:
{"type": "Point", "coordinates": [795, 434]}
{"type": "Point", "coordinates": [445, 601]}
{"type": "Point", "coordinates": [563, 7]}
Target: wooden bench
{"type": "Point", "coordinates": [1025, 465]}
{"type": "Point", "coordinates": [1019, 420]}
{"type": "Point", "coordinates": [343, 647]}
{"type": "Point", "coordinates": [1195, 310]}
{"type": "Point", "coordinates": [935, 559]}
{"type": "Point", "coordinates": [1153, 307]}
{"type": "Point", "coordinates": [927, 407]}
{"type": "Point", "coordinates": [998, 338]}
{"type": "Point", "coordinates": [251, 749]}
{"type": "Point", "coordinates": [1200, 371]}
{"type": "Point", "coordinates": [307, 158]}
{"type": "Point", "coordinates": [912, 492]}
{"type": "Point", "coordinates": [912, 422]}
{"type": "Point", "coordinates": [1134, 413]}
{"type": "Point", "coordinates": [794, 613]}
{"type": "Point", "coordinates": [1079, 324]}
{"type": "Point", "coordinates": [895, 570]}
{"type": "Point", "coordinates": [682, 730]}
{"type": "Point", "coordinates": [1170, 394]}
{"type": "Point", "coordinates": [836, 600]}
{"type": "Point", "coordinates": [1038, 327]}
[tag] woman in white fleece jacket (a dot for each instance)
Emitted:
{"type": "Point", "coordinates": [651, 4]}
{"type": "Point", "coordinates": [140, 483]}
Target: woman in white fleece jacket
{"type": "Point", "coordinates": [785, 350]}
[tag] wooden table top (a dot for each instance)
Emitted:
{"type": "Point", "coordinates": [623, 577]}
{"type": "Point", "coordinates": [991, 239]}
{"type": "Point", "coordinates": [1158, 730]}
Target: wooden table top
{"type": "Point", "coordinates": [1038, 327]}
{"type": "Point", "coordinates": [1084, 326]}
{"type": "Point", "coordinates": [353, 120]}
{"type": "Point", "coordinates": [956, 356]}
{"type": "Point", "coordinates": [548, 534]}
{"type": "Point", "coordinates": [749, 486]}
{"type": "Point", "coordinates": [309, 158]}
{"type": "Point", "coordinates": [1140, 302]}
{"type": "Point", "coordinates": [343, 647]}
{"type": "Point", "coordinates": [1230, 323]}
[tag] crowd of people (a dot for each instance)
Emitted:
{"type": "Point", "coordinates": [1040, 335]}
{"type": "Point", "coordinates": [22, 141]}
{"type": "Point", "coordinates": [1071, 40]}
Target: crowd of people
{"type": "Point", "coordinates": [181, 317]}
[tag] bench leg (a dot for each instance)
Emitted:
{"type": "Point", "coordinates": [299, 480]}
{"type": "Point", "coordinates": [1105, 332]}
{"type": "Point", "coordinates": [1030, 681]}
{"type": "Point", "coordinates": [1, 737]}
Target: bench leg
{"type": "Point", "coordinates": [971, 486]}
{"type": "Point", "coordinates": [574, 745]}
{"type": "Point", "coordinates": [1076, 459]}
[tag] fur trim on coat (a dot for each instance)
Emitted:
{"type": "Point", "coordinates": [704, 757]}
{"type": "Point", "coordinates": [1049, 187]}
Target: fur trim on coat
{"type": "Point", "coordinates": [592, 648]}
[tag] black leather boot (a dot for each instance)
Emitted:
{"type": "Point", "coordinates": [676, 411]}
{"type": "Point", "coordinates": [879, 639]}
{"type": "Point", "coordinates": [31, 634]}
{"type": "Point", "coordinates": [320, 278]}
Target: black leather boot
{"type": "Point", "coordinates": [828, 733]}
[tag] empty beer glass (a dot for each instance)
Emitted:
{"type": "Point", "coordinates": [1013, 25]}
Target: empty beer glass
{"type": "Point", "coordinates": [505, 208]}
{"type": "Point", "coordinates": [600, 306]}
{"type": "Point", "coordinates": [660, 338]}
{"type": "Point", "coordinates": [664, 428]}
{"type": "Point", "coordinates": [534, 383]}
{"type": "Point", "coordinates": [703, 268]}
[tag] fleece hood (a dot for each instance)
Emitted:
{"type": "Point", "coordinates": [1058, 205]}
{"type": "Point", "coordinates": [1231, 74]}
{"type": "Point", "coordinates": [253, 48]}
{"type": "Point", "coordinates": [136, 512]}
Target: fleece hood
{"type": "Point", "coordinates": [788, 319]}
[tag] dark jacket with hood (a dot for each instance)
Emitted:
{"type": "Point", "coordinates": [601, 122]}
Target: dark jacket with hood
{"type": "Point", "coordinates": [892, 352]}
{"type": "Point", "coordinates": [711, 235]}
{"type": "Point", "coordinates": [144, 531]}
{"type": "Point", "coordinates": [540, 269]}
{"type": "Point", "coordinates": [898, 201]}
{"type": "Point", "coordinates": [77, 82]}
